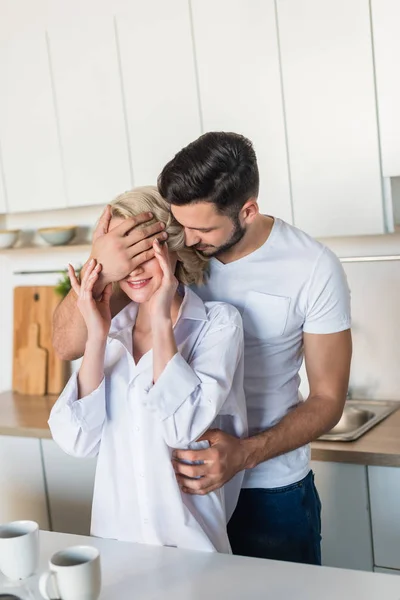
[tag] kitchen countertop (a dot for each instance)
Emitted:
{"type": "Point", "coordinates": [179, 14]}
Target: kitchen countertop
{"type": "Point", "coordinates": [148, 572]}
{"type": "Point", "coordinates": [26, 416]}
{"type": "Point", "coordinates": [380, 446]}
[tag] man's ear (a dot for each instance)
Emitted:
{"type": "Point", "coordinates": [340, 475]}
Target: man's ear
{"type": "Point", "coordinates": [249, 211]}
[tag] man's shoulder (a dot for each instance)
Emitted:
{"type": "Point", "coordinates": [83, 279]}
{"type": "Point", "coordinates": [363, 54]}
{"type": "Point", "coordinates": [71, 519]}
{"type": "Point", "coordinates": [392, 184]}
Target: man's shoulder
{"type": "Point", "coordinates": [293, 239]}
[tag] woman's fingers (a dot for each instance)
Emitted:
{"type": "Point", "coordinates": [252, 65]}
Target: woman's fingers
{"type": "Point", "coordinates": [162, 257]}
{"type": "Point", "coordinates": [87, 271]}
{"type": "Point", "coordinates": [73, 279]}
{"type": "Point", "coordinates": [91, 280]}
{"type": "Point", "coordinates": [107, 294]}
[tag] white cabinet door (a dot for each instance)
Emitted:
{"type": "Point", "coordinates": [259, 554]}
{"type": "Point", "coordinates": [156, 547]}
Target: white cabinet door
{"type": "Point", "coordinates": [70, 484]}
{"type": "Point", "coordinates": [21, 481]}
{"type": "Point", "coordinates": [159, 81]}
{"type": "Point", "coordinates": [385, 27]}
{"type": "Point", "coordinates": [346, 530]}
{"type": "Point", "coordinates": [328, 83]}
{"type": "Point", "coordinates": [240, 86]}
{"type": "Point", "coordinates": [84, 61]}
{"type": "Point", "coordinates": [28, 127]}
{"type": "Point", "coordinates": [384, 490]}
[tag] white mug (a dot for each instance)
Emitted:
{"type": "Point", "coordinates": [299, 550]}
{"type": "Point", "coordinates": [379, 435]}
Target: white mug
{"type": "Point", "coordinates": [19, 549]}
{"type": "Point", "coordinates": [74, 575]}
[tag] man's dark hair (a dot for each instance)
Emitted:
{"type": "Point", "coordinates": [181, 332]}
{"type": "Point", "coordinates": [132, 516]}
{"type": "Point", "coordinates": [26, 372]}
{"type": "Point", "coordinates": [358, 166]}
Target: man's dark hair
{"type": "Point", "coordinates": [218, 167]}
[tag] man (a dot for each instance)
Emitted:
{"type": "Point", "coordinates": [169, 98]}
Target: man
{"type": "Point", "coordinates": [294, 299]}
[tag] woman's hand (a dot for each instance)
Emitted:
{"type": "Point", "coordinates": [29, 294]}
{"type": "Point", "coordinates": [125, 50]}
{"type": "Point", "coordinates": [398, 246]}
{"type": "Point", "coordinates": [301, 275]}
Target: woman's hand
{"type": "Point", "coordinates": [161, 301]}
{"type": "Point", "coordinates": [96, 313]}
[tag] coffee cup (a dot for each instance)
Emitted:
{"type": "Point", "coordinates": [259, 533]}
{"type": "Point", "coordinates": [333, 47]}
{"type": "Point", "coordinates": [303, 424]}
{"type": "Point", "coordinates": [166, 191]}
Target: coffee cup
{"type": "Point", "coordinates": [19, 549]}
{"type": "Point", "coordinates": [74, 575]}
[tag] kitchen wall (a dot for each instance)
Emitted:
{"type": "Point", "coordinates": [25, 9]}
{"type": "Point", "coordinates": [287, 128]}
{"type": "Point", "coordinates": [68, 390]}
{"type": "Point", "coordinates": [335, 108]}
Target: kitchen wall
{"type": "Point", "coordinates": [375, 290]}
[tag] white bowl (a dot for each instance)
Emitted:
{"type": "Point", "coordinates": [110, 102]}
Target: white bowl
{"type": "Point", "coordinates": [8, 237]}
{"type": "Point", "coordinates": [57, 236]}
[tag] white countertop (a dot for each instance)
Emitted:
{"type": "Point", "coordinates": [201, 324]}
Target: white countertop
{"type": "Point", "coordinates": [133, 571]}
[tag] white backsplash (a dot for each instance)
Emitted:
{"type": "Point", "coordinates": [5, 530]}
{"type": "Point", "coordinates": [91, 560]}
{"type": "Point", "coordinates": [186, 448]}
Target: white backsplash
{"type": "Point", "coordinates": [375, 290]}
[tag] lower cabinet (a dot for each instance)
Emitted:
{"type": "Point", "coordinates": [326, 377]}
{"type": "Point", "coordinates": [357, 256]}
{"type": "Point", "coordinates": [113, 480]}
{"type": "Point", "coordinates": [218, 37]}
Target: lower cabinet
{"type": "Point", "coordinates": [384, 484]}
{"type": "Point", "coordinates": [23, 492]}
{"type": "Point", "coordinates": [346, 529]}
{"type": "Point", "coordinates": [41, 483]}
{"type": "Point", "coordinates": [70, 483]}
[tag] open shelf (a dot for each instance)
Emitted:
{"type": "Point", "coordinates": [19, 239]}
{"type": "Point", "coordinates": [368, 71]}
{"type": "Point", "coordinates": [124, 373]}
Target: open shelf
{"type": "Point", "coordinates": [42, 249]}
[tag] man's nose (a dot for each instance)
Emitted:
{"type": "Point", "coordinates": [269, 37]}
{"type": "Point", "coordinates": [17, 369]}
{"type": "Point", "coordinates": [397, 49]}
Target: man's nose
{"type": "Point", "coordinates": [191, 238]}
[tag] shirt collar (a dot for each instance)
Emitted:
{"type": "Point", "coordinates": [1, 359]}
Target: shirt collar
{"type": "Point", "coordinates": [192, 308]}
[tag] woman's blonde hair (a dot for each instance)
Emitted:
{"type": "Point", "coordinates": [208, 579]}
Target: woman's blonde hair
{"type": "Point", "coordinates": [191, 265]}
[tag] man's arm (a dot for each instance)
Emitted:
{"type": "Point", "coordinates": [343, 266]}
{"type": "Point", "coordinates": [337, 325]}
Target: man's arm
{"type": "Point", "coordinates": [327, 358]}
{"type": "Point", "coordinates": [119, 251]}
{"type": "Point", "coordinates": [69, 328]}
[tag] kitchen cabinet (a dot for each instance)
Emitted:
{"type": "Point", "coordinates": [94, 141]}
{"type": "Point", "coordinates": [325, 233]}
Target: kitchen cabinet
{"type": "Point", "coordinates": [88, 94]}
{"type": "Point", "coordinates": [70, 483]}
{"type": "Point", "coordinates": [331, 118]}
{"type": "Point", "coordinates": [346, 530]}
{"type": "Point", "coordinates": [237, 53]}
{"type": "Point", "coordinates": [384, 489]}
{"type": "Point", "coordinates": [21, 481]}
{"type": "Point", "coordinates": [30, 146]}
{"type": "Point", "coordinates": [159, 82]}
{"type": "Point", "coordinates": [385, 27]}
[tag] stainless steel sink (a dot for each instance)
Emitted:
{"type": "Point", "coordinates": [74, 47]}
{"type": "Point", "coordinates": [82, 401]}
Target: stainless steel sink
{"type": "Point", "coordinates": [359, 416]}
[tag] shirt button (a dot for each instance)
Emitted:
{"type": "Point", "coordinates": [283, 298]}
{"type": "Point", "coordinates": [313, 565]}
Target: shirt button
{"type": "Point", "coordinates": [145, 521]}
{"type": "Point", "coordinates": [141, 474]}
{"type": "Point", "coordinates": [137, 428]}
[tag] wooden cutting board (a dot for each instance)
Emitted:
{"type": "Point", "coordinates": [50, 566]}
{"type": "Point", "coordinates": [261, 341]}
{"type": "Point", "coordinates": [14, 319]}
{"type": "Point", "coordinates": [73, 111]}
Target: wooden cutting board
{"type": "Point", "coordinates": [36, 304]}
{"type": "Point", "coordinates": [31, 365]}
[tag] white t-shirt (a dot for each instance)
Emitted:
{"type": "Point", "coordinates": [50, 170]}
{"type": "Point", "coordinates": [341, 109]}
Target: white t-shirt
{"type": "Point", "coordinates": [292, 284]}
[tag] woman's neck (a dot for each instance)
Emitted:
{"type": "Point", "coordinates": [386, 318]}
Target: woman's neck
{"type": "Point", "coordinates": [143, 320]}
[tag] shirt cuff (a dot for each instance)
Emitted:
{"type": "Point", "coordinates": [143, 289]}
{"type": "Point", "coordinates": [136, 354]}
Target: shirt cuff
{"type": "Point", "coordinates": [175, 384]}
{"type": "Point", "coordinates": [88, 412]}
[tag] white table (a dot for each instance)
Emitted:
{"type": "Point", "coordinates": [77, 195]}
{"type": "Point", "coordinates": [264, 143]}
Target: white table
{"type": "Point", "coordinates": [138, 572]}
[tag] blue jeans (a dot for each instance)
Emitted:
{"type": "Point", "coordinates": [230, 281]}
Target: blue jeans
{"type": "Point", "coordinates": [280, 523]}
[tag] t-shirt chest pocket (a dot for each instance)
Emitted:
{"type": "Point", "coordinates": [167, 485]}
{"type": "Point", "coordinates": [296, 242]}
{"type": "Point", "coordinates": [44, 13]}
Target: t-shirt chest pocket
{"type": "Point", "coordinates": [265, 315]}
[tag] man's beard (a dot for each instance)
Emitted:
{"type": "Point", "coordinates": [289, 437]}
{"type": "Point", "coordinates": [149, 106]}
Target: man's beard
{"type": "Point", "coordinates": [237, 234]}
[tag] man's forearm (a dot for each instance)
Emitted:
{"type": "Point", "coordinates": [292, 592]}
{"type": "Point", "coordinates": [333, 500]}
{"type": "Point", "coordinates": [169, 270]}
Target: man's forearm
{"type": "Point", "coordinates": [69, 329]}
{"type": "Point", "coordinates": [301, 426]}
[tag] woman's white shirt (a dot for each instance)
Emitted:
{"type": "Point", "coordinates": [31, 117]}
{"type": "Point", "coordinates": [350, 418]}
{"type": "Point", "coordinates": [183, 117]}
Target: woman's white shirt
{"type": "Point", "coordinates": [132, 425]}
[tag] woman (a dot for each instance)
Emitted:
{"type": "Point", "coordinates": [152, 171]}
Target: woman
{"type": "Point", "coordinates": [154, 378]}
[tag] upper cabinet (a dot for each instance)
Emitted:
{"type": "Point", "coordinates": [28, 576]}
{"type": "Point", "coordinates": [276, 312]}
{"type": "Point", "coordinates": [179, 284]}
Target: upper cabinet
{"type": "Point", "coordinates": [386, 21]}
{"type": "Point", "coordinates": [331, 118]}
{"type": "Point", "coordinates": [84, 65]}
{"type": "Point", "coordinates": [97, 95]}
{"type": "Point", "coordinates": [30, 146]}
{"type": "Point", "coordinates": [236, 47]}
{"type": "Point", "coordinates": [158, 81]}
